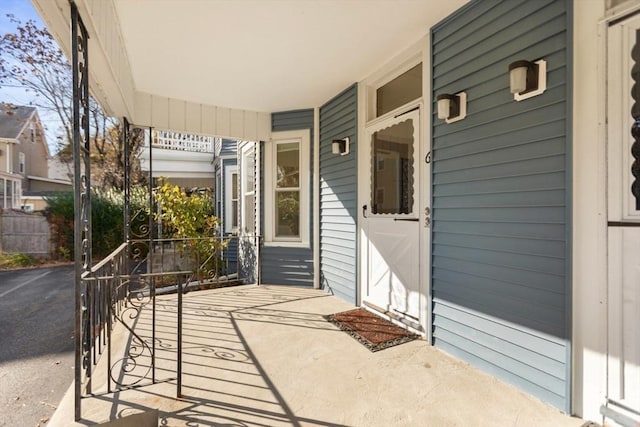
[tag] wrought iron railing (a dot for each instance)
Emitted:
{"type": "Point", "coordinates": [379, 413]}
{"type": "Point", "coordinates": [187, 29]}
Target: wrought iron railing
{"type": "Point", "coordinates": [120, 298]}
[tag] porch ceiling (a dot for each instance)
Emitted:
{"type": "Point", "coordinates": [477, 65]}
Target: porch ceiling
{"type": "Point", "coordinates": [270, 55]}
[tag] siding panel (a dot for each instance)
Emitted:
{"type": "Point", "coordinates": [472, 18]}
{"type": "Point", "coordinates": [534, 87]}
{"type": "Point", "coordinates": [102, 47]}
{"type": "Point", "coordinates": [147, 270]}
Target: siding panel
{"type": "Point", "coordinates": [338, 191]}
{"type": "Point", "coordinates": [282, 265]}
{"type": "Point", "coordinates": [500, 252]}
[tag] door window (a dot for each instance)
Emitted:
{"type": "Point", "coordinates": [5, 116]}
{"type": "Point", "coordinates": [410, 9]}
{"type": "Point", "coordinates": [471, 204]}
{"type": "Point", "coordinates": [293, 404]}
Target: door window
{"type": "Point", "coordinates": [392, 169]}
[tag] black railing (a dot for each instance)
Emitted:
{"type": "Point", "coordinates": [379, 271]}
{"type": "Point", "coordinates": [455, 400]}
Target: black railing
{"type": "Point", "coordinates": [121, 293]}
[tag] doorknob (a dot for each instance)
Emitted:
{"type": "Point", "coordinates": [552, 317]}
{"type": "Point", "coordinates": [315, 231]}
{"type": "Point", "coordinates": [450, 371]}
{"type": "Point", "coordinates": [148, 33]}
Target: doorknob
{"type": "Point", "coordinates": [364, 211]}
{"type": "Point", "coordinates": [427, 219]}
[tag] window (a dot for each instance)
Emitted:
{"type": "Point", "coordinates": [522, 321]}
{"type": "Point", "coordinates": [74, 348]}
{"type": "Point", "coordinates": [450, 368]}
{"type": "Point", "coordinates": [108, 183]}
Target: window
{"type": "Point", "coordinates": [32, 128]}
{"type": "Point", "coordinates": [287, 189]}
{"type": "Point", "coordinates": [234, 201]}
{"type": "Point", "coordinates": [248, 191]}
{"type": "Point", "coordinates": [399, 91]}
{"type": "Point", "coordinates": [21, 163]}
{"type": "Point", "coordinates": [392, 168]}
{"type": "Point", "coordinates": [231, 195]}
{"type": "Point", "coordinates": [10, 193]}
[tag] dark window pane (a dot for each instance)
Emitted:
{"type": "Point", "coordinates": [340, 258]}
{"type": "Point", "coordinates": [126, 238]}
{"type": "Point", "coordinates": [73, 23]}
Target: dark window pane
{"type": "Point", "coordinates": [288, 214]}
{"type": "Point", "coordinates": [404, 88]}
{"type": "Point", "coordinates": [288, 165]}
{"type": "Point", "coordinates": [392, 169]}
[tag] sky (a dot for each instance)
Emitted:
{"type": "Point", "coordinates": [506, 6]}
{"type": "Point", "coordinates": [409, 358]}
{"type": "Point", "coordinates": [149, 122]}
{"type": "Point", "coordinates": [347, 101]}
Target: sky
{"type": "Point", "coordinates": [23, 10]}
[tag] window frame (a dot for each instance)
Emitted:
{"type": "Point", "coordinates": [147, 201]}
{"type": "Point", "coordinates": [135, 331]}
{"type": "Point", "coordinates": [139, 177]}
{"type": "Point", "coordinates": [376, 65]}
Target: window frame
{"type": "Point", "coordinates": [246, 151]}
{"type": "Point", "coordinates": [414, 56]}
{"type": "Point", "coordinates": [303, 138]}
{"type": "Point", "coordinates": [231, 170]}
{"type": "Point", "coordinates": [22, 163]}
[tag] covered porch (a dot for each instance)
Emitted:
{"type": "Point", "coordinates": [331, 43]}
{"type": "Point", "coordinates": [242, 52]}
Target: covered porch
{"type": "Point", "coordinates": [387, 156]}
{"type": "Point", "coordinates": [265, 356]}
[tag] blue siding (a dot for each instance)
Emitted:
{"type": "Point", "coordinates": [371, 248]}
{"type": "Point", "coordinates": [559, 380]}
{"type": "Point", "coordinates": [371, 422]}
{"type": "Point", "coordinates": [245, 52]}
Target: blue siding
{"type": "Point", "coordinates": [501, 291]}
{"type": "Point", "coordinates": [229, 147]}
{"type": "Point", "coordinates": [281, 265]}
{"type": "Point", "coordinates": [230, 256]}
{"type": "Point", "coordinates": [338, 196]}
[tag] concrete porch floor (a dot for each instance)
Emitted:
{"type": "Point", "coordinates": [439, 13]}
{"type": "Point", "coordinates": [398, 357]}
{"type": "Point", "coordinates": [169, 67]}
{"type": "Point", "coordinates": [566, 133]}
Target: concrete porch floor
{"type": "Point", "coordinates": [264, 356]}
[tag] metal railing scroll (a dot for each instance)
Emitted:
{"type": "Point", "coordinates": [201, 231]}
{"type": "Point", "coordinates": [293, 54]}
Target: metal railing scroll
{"type": "Point", "coordinates": [120, 335]}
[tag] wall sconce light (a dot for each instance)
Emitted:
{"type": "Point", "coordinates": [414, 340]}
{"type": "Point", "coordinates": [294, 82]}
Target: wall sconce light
{"type": "Point", "coordinates": [527, 79]}
{"type": "Point", "coordinates": [452, 108]}
{"type": "Point", "coordinates": [340, 146]}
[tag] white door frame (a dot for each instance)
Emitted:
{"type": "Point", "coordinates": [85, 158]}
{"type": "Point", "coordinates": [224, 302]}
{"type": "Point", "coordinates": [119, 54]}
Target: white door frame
{"type": "Point", "coordinates": [621, 230]}
{"type": "Point", "coordinates": [417, 53]}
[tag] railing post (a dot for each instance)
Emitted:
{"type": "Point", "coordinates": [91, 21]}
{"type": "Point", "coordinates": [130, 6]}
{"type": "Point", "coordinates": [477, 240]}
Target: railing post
{"type": "Point", "coordinates": [82, 194]}
{"type": "Point", "coordinates": [179, 355]}
{"type": "Point", "coordinates": [126, 211]}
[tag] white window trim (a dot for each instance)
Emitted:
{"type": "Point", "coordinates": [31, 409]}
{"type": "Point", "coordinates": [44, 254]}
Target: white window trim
{"type": "Point", "coordinates": [228, 205]}
{"type": "Point", "coordinates": [13, 201]}
{"type": "Point", "coordinates": [22, 163]}
{"type": "Point", "coordinates": [9, 158]}
{"type": "Point", "coordinates": [246, 150]}
{"type": "Point", "coordinates": [303, 137]}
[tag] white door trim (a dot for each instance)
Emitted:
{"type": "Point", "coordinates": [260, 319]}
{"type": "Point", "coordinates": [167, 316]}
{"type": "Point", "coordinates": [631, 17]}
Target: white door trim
{"type": "Point", "coordinates": [419, 52]}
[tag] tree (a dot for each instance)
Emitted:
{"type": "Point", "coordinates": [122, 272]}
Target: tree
{"type": "Point", "coordinates": [31, 59]}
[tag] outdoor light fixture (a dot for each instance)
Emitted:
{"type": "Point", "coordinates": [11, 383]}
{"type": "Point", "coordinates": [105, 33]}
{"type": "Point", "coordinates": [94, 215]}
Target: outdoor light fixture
{"type": "Point", "coordinates": [340, 146]}
{"type": "Point", "coordinates": [452, 108]}
{"type": "Point", "coordinates": [527, 78]}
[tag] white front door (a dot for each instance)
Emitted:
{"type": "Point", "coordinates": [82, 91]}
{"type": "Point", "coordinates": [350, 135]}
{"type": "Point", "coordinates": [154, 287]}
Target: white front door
{"type": "Point", "coordinates": [391, 230]}
{"type": "Point", "coordinates": [623, 338]}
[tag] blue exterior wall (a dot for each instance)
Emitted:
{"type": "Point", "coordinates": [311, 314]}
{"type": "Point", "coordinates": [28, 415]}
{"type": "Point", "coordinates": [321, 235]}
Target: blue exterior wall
{"type": "Point", "coordinates": [501, 196]}
{"type": "Point", "coordinates": [226, 158]}
{"type": "Point", "coordinates": [338, 196]}
{"type": "Point", "coordinates": [229, 147]}
{"type": "Point", "coordinates": [282, 265]}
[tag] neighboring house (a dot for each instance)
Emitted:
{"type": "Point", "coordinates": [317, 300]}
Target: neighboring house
{"type": "Point", "coordinates": [182, 158]}
{"type": "Point", "coordinates": [24, 155]}
{"type": "Point", "coordinates": [407, 163]}
{"type": "Point", "coordinates": [60, 170]}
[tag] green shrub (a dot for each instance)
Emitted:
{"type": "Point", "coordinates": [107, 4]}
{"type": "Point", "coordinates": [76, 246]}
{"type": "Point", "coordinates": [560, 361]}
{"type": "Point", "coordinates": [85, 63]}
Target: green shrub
{"type": "Point", "coordinates": [17, 260]}
{"type": "Point", "coordinates": [107, 223]}
{"type": "Point", "coordinates": [190, 217]}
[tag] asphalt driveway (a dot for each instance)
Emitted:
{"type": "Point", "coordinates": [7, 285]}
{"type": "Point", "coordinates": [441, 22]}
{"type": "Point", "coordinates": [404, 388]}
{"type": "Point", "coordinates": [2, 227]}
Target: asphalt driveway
{"type": "Point", "coordinates": [36, 343]}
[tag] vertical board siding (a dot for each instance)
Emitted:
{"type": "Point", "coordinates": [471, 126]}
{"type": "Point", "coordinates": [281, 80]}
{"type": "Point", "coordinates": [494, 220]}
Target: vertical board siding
{"type": "Point", "coordinates": [282, 265]}
{"type": "Point", "coordinates": [499, 248]}
{"type": "Point", "coordinates": [338, 196]}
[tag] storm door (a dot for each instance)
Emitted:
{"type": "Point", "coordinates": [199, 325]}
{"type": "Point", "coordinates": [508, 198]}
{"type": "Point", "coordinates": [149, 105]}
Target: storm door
{"type": "Point", "coordinates": [623, 176]}
{"type": "Point", "coordinates": [391, 228]}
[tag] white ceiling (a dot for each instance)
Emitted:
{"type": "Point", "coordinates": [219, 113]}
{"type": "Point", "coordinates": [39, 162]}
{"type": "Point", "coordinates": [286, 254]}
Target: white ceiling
{"type": "Point", "coordinates": [267, 55]}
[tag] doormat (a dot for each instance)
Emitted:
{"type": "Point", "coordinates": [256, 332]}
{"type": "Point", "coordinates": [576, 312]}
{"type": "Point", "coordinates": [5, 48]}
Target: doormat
{"type": "Point", "coordinates": [372, 331]}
